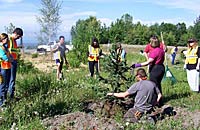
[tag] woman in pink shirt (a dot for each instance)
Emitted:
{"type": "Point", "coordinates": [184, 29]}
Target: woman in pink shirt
{"type": "Point", "coordinates": [149, 48]}
{"type": "Point", "coordinates": [155, 59]}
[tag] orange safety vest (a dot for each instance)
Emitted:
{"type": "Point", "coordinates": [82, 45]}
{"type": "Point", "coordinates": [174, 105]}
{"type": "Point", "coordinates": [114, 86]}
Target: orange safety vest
{"type": "Point", "coordinates": [93, 53]}
{"type": "Point", "coordinates": [12, 46]}
{"type": "Point", "coordinates": [5, 64]}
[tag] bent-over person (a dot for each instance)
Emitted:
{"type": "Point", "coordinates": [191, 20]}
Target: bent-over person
{"type": "Point", "coordinates": [147, 96]}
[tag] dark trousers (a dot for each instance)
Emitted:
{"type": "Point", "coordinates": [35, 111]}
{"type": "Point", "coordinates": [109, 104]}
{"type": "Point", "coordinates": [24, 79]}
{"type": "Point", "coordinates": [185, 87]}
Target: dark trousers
{"type": "Point", "coordinates": [132, 115]}
{"type": "Point", "coordinates": [93, 64]}
{"type": "Point", "coordinates": [13, 74]}
{"type": "Point", "coordinates": [156, 75]}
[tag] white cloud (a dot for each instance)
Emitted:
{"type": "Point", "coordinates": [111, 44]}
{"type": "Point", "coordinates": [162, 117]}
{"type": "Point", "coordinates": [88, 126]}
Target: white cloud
{"type": "Point", "coordinates": [173, 21]}
{"type": "Point", "coordinates": [27, 21]}
{"type": "Point", "coordinates": [107, 21]}
{"type": "Point", "coordinates": [79, 14]}
{"type": "Point", "coordinates": [68, 20]}
{"type": "Point", "coordinates": [184, 4]}
{"type": "Point", "coordinates": [192, 5]}
{"type": "Point", "coordinates": [11, 1]}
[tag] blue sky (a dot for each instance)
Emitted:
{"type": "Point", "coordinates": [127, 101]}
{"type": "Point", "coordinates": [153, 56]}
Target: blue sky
{"type": "Point", "coordinates": [22, 13]}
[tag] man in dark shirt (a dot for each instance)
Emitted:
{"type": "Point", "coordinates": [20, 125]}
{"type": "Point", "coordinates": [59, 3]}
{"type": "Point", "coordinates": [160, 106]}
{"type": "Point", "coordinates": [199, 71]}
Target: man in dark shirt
{"type": "Point", "coordinates": [147, 95]}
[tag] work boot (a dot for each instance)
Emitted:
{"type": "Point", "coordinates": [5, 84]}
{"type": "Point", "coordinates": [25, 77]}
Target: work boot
{"type": "Point", "coordinates": [61, 76]}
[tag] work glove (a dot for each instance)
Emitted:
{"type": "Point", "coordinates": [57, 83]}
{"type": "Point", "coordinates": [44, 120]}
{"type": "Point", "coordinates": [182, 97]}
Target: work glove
{"type": "Point", "coordinates": [135, 65]}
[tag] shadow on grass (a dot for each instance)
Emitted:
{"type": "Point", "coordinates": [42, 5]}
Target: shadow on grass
{"type": "Point", "coordinates": [175, 96]}
{"type": "Point", "coordinates": [161, 114]}
{"type": "Point", "coordinates": [58, 109]}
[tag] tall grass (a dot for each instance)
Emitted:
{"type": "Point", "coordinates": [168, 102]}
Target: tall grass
{"type": "Point", "coordinates": [41, 96]}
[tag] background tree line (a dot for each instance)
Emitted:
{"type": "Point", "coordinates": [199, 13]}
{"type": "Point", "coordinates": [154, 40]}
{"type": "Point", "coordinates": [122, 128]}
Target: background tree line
{"type": "Point", "coordinates": [125, 31]}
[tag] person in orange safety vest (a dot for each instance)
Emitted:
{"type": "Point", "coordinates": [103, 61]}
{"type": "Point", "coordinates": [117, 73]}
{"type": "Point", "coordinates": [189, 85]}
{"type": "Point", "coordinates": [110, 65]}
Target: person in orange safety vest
{"type": "Point", "coordinates": [14, 51]}
{"type": "Point", "coordinates": [94, 53]}
{"type": "Point", "coordinates": [6, 60]}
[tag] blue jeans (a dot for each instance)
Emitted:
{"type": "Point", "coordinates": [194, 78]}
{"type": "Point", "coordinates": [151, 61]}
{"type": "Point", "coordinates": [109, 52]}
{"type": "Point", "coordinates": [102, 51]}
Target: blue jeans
{"type": "Point", "coordinates": [4, 85]}
{"type": "Point", "coordinates": [12, 78]}
{"type": "Point", "coordinates": [173, 58]}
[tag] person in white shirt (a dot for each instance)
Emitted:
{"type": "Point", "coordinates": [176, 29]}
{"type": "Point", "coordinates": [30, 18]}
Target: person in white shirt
{"type": "Point", "coordinates": [60, 56]}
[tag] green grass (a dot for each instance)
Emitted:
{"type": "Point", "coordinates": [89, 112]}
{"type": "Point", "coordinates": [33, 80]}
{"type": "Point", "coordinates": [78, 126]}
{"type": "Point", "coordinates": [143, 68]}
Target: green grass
{"type": "Point", "coordinates": [42, 96]}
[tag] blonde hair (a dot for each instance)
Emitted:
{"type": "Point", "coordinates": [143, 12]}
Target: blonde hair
{"type": "Point", "coordinates": [3, 36]}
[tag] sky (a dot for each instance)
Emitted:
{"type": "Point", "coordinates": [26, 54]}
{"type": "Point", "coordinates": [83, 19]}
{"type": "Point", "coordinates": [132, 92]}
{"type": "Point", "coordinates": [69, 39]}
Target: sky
{"type": "Point", "coordinates": [22, 13]}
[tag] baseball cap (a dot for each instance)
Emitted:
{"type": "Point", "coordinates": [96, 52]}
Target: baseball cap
{"type": "Point", "coordinates": [192, 40]}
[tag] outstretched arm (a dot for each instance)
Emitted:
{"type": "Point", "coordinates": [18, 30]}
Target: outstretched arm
{"type": "Point", "coordinates": [119, 95]}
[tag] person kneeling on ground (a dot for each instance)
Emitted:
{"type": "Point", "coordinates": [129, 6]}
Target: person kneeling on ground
{"type": "Point", "coordinates": [147, 96]}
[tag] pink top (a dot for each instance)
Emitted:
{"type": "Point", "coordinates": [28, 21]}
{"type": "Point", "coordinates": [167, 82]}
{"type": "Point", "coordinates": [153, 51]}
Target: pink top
{"type": "Point", "coordinates": [158, 55]}
{"type": "Point", "coordinates": [148, 48]}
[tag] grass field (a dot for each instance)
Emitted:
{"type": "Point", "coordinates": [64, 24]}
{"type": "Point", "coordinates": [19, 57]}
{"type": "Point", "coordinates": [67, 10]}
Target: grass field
{"type": "Point", "coordinates": [41, 96]}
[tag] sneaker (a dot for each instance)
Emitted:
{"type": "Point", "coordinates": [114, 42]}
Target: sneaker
{"type": "Point", "coordinates": [151, 120]}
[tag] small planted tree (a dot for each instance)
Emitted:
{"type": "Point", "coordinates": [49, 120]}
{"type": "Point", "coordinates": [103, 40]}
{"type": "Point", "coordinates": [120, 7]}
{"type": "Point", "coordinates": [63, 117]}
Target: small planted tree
{"type": "Point", "coordinates": [115, 73]}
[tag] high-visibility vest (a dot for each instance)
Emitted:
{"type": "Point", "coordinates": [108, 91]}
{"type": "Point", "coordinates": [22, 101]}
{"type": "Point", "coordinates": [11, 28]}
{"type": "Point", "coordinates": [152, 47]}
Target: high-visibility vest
{"type": "Point", "coordinates": [191, 56]}
{"type": "Point", "coordinates": [93, 53]}
{"type": "Point", "coordinates": [12, 46]}
{"type": "Point", "coordinates": [5, 64]}
{"type": "Point", "coordinates": [121, 54]}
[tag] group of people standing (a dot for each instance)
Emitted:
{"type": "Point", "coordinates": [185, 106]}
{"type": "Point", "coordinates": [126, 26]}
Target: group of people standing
{"type": "Point", "coordinates": [8, 59]}
{"type": "Point", "coordinates": [149, 92]}
{"type": "Point", "coordinates": [94, 53]}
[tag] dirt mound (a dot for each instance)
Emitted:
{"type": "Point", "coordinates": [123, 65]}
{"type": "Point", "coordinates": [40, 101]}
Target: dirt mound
{"type": "Point", "coordinates": [90, 121]}
{"type": "Point", "coordinates": [189, 118]}
{"type": "Point", "coordinates": [80, 121]}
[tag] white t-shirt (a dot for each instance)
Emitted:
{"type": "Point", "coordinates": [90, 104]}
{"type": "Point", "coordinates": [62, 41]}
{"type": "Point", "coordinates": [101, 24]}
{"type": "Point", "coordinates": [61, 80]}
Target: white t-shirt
{"type": "Point", "coordinates": [60, 52]}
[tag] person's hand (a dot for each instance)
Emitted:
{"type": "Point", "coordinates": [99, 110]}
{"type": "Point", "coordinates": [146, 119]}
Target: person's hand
{"type": "Point", "coordinates": [135, 65]}
{"type": "Point", "coordinates": [109, 94]}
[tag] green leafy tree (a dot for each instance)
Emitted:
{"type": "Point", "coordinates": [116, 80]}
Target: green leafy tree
{"type": "Point", "coordinates": [121, 28]}
{"type": "Point", "coordinates": [104, 35]}
{"type": "Point", "coordinates": [116, 31]}
{"type": "Point", "coordinates": [141, 34]}
{"type": "Point", "coordinates": [181, 30]}
{"type": "Point", "coordinates": [154, 29]}
{"type": "Point", "coordinates": [49, 20]}
{"type": "Point", "coordinates": [10, 28]}
{"type": "Point", "coordinates": [167, 27]}
{"type": "Point", "coordinates": [169, 39]}
{"type": "Point", "coordinates": [196, 29]}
